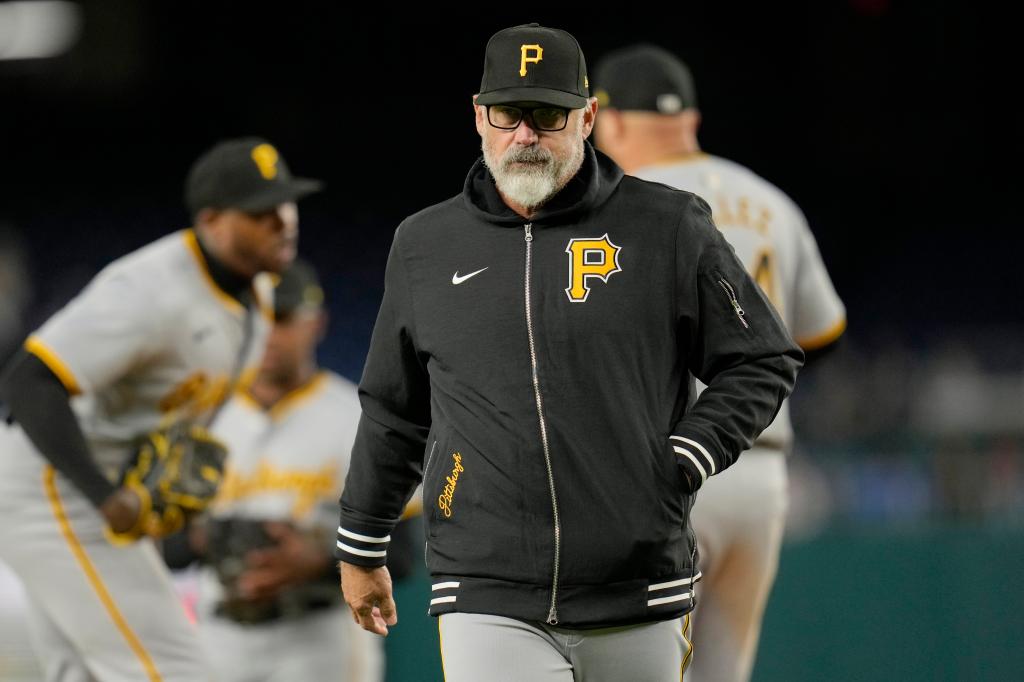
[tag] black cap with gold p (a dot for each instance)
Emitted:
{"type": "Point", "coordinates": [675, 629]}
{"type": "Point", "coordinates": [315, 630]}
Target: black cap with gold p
{"type": "Point", "coordinates": [247, 174]}
{"type": "Point", "coordinates": [531, 63]}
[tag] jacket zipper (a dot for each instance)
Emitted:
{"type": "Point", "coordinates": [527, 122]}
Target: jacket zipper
{"type": "Point", "coordinates": [727, 288]}
{"type": "Point", "coordinates": [553, 611]}
{"type": "Point", "coordinates": [693, 554]}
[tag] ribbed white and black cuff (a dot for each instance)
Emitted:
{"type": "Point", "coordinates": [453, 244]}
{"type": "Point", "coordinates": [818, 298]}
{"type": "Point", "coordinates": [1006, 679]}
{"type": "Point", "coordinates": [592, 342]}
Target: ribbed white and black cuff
{"type": "Point", "coordinates": [362, 544]}
{"type": "Point", "coordinates": [694, 458]}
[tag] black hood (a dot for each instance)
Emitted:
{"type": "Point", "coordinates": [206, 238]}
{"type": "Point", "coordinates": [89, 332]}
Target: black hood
{"type": "Point", "coordinates": [589, 188]}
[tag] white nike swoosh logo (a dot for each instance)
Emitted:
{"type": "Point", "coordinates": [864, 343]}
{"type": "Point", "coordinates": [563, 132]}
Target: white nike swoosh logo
{"type": "Point", "coordinates": [459, 280]}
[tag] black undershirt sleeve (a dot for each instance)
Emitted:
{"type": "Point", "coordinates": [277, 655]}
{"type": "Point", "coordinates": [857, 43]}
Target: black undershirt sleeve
{"type": "Point", "coordinates": [38, 401]}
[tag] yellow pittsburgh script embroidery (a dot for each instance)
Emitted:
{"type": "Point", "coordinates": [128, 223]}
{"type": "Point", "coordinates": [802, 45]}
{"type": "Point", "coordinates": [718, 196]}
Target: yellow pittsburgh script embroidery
{"type": "Point", "coordinates": [195, 395]}
{"type": "Point", "coordinates": [309, 487]}
{"type": "Point", "coordinates": [444, 500]}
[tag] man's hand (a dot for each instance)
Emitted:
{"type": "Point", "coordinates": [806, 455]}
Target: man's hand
{"type": "Point", "coordinates": [295, 558]}
{"type": "Point", "coordinates": [122, 509]}
{"type": "Point", "coordinates": [368, 593]}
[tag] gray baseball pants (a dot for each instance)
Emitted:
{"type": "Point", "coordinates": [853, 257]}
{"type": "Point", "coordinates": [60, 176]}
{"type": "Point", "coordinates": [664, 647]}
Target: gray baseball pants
{"type": "Point", "coordinates": [478, 647]}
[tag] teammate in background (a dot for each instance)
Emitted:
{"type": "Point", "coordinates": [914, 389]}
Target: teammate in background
{"type": "Point", "coordinates": [269, 604]}
{"type": "Point", "coordinates": [649, 126]}
{"type": "Point", "coordinates": [158, 337]}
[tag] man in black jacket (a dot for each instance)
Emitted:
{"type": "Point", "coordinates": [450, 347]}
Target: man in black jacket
{"type": "Point", "coordinates": [531, 364]}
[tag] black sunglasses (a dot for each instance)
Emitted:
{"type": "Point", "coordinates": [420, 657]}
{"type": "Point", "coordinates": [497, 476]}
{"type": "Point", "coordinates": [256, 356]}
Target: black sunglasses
{"type": "Point", "coordinates": [546, 118]}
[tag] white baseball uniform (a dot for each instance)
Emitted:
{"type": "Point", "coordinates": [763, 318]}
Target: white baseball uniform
{"type": "Point", "coordinates": [288, 463]}
{"type": "Point", "coordinates": [739, 515]}
{"type": "Point", "coordinates": [150, 341]}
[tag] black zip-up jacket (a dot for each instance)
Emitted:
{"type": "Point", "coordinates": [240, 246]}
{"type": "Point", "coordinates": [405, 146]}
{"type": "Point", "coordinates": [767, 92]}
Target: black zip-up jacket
{"type": "Point", "coordinates": [535, 375]}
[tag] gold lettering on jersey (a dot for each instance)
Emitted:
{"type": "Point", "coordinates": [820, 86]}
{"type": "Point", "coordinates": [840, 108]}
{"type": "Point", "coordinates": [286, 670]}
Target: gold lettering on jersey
{"type": "Point", "coordinates": [743, 211]}
{"type": "Point", "coordinates": [265, 157]}
{"type": "Point", "coordinates": [183, 393]}
{"type": "Point", "coordinates": [247, 378]}
{"type": "Point", "coordinates": [590, 258]}
{"type": "Point", "coordinates": [762, 221]}
{"type": "Point", "coordinates": [527, 58]}
{"type": "Point", "coordinates": [308, 486]}
{"type": "Point", "coordinates": [739, 213]}
{"type": "Point", "coordinates": [213, 396]}
{"type": "Point", "coordinates": [444, 500]}
{"type": "Point", "coordinates": [763, 272]}
{"type": "Point", "coordinates": [196, 394]}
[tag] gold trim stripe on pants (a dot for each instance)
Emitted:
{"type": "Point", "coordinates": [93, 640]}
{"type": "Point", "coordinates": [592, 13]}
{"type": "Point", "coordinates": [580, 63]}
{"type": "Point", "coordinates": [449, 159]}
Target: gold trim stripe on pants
{"type": "Point", "coordinates": [93, 576]}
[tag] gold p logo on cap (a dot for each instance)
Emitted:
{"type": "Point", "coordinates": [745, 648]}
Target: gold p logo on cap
{"type": "Point", "coordinates": [538, 54]}
{"type": "Point", "coordinates": [265, 157]}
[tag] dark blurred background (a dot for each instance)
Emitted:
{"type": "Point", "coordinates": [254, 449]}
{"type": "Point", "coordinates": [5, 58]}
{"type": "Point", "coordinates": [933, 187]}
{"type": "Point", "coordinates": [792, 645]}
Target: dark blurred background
{"type": "Point", "coordinates": [889, 123]}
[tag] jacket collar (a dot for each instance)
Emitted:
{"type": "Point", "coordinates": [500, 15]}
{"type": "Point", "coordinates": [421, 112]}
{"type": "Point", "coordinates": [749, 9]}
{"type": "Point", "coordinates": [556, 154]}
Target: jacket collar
{"type": "Point", "coordinates": [589, 188]}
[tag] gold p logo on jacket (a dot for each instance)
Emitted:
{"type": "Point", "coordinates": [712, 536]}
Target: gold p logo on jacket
{"type": "Point", "coordinates": [590, 257]}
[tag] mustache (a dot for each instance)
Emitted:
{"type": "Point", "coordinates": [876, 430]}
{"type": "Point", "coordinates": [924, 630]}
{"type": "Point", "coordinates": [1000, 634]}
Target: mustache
{"type": "Point", "coordinates": [531, 154]}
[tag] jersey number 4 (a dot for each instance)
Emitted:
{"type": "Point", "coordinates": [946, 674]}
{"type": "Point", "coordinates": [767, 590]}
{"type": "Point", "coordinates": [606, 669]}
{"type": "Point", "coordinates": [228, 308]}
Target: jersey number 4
{"type": "Point", "coordinates": [763, 272]}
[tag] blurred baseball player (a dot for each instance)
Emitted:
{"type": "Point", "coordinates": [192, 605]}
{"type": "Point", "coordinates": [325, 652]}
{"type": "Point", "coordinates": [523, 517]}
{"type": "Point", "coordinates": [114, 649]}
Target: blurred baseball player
{"type": "Point", "coordinates": [159, 337]}
{"type": "Point", "coordinates": [649, 126]}
{"type": "Point", "coordinates": [269, 605]}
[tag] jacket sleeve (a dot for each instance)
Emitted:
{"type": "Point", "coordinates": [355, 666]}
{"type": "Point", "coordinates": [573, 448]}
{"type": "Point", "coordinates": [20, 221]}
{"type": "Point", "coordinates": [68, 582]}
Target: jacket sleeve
{"type": "Point", "coordinates": [387, 457]}
{"type": "Point", "coordinates": [736, 344]}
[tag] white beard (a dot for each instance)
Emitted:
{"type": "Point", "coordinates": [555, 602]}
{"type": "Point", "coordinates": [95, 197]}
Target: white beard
{"type": "Point", "coordinates": [532, 185]}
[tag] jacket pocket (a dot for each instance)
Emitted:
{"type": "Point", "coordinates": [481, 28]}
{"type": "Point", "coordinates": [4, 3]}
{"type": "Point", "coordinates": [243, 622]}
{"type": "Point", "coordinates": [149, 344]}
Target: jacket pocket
{"type": "Point", "coordinates": [667, 488]}
{"type": "Point", "coordinates": [730, 294]}
{"type": "Point", "coordinates": [433, 483]}
{"type": "Point", "coordinates": [427, 468]}
{"type": "Point", "coordinates": [430, 461]}
{"type": "Point", "coordinates": [442, 482]}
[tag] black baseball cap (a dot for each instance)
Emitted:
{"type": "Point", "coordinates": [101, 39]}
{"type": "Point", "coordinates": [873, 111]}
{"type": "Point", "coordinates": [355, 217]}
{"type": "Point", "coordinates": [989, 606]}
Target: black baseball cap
{"type": "Point", "coordinates": [248, 174]}
{"type": "Point", "coordinates": [644, 78]}
{"type": "Point", "coordinates": [298, 289]}
{"type": "Point", "coordinates": [531, 63]}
